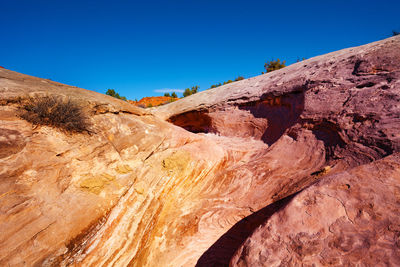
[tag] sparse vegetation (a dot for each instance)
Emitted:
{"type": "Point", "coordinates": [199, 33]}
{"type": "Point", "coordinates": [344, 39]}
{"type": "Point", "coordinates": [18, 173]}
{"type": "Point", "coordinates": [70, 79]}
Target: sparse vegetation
{"type": "Point", "coordinates": [191, 91]}
{"type": "Point", "coordinates": [111, 92]}
{"type": "Point", "coordinates": [172, 99]}
{"type": "Point", "coordinates": [395, 33]}
{"type": "Point", "coordinates": [229, 81]}
{"type": "Point", "coordinates": [173, 94]}
{"type": "Point", "coordinates": [298, 59]}
{"type": "Point", "coordinates": [274, 65]}
{"type": "Point", "coordinates": [55, 112]}
{"type": "Point", "coordinates": [216, 85]}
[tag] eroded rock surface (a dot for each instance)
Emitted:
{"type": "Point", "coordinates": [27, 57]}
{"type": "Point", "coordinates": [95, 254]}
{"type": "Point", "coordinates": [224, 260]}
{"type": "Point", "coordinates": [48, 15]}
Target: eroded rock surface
{"type": "Point", "coordinates": [347, 219]}
{"type": "Point", "coordinates": [140, 191]}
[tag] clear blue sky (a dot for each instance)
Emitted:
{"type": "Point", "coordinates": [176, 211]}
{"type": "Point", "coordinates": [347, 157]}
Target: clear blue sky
{"type": "Point", "coordinates": [137, 47]}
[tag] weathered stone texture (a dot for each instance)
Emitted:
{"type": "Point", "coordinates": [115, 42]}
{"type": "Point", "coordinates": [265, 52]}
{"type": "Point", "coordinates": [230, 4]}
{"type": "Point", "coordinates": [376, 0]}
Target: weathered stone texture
{"type": "Point", "coordinates": [295, 166]}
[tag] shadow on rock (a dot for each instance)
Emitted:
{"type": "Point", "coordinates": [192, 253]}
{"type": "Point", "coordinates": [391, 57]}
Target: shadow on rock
{"type": "Point", "coordinates": [221, 252]}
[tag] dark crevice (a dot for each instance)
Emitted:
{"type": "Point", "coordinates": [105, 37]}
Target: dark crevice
{"type": "Point", "coordinates": [367, 84]}
{"type": "Point", "coordinates": [357, 67]}
{"type": "Point", "coordinates": [194, 121]}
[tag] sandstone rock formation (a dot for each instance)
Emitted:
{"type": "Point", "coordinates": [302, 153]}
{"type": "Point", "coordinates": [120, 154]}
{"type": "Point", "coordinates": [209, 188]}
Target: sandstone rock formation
{"type": "Point", "coordinates": [347, 219]}
{"type": "Point", "coordinates": [219, 182]}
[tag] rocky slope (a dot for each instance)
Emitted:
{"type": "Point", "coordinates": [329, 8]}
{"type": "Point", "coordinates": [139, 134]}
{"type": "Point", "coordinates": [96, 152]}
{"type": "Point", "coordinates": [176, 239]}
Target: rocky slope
{"type": "Point", "coordinates": [221, 185]}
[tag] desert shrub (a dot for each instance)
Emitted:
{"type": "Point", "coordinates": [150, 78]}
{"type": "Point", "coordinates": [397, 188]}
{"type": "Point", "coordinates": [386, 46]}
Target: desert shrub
{"type": "Point", "coordinates": [216, 85]}
{"type": "Point", "coordinates": [168, 101]}
{"type": "Point", "coordinates": [55, 112]}
{"type": "Point", "coordinates": [274, 65]}
{"type": "Point", "coordinates": [166, 94]}
{"type": "Point", "coordinates": [187, 92]}
{"type": "Point", "coordinates": [227, 82]}
{"type": "Point", "coordinates": [195, 89]}
{"type": "Point", "coordinates": [239, 78]}
{"type": "Point", "coordinates": [394, 33]}
{"type": "Point", "coordinates": [111, 92]}
{"type": "Point", "coordinates": [174, 95]}
{"type": "Point", "coordinates": [150, 105]}
{"type": "Point", "coordinates": [191, 91]}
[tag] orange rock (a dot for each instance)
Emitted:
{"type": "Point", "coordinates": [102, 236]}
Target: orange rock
{"type": "Point", "coordinates": [153, 101]}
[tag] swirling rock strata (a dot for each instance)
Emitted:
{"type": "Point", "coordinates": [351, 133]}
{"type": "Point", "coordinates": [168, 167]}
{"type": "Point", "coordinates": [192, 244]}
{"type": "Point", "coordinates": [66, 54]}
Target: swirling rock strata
{"type": "Point", "coordinates": [141, 191]}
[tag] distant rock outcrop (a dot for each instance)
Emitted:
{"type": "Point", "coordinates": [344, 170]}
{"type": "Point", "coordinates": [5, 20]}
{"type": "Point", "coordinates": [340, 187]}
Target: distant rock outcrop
{"type": "Point", "coordinates": [153, 101]}
{"type": "Point", "coordinates": [300, 165]}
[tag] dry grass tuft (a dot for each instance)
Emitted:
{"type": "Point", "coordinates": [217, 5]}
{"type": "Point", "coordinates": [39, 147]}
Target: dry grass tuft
{"type": "Point", "coordinates": [55, 112]}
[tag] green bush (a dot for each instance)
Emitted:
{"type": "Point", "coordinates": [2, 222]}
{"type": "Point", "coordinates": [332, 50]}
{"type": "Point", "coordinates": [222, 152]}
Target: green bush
{"type": "Point", "coordinates": [227, 82]}
{"type": "Point", "coordinates": [55, 112]}
{"type": "Point", "coordinates": [216, 85]}
{"type": "Point", "coordinates": [191, 91]}
{"type": "Point", "coordinates": [274, 65]}
{"type": "Point", "coordinates": [111, 92]}
{"type": "Point", "coordinates": [174, 95]}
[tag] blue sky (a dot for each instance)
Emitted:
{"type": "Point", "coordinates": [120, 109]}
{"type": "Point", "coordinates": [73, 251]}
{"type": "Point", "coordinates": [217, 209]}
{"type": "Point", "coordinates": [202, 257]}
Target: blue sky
{"type": "Point", "coordinates": [137, 47]}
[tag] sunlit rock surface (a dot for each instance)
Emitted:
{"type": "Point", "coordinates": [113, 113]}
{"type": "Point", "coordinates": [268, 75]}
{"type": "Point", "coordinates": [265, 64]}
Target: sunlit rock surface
{"type": "Point", "coordinates": [189, 182]}
{"type": "Point", "coordinates": [348, 219]}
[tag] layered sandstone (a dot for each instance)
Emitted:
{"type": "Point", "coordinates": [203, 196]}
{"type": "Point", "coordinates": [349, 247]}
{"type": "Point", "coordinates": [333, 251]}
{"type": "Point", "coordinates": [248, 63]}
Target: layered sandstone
{"type": "Point", "coordinates": [142, 191]}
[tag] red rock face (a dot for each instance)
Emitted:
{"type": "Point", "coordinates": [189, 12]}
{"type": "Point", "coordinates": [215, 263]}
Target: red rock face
{"type": "Point", "coordinates": [297, 166]}
{"type": "Point", "coordinates": [347, 219]}
{"type": "Point", "coordinates": [348, 102]}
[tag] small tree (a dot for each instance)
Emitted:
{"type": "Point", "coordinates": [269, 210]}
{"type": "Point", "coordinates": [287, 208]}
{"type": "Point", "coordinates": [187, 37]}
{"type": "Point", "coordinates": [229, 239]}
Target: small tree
{"type": "Point", "coordinates": [239, 78]}
{"type": "Point", "coordinates": [111, 92]}
{"type": "Point", "coordinates": [187, 92]}
{"type": "Point", "coordinates": [191, 91]}
{"type": "Point", "coordinates": [216, 85]}
{"type": "Point", "coordinates": [228, 81]}
{"type": "Point", "coordinates": [395, 33]}
{"type": "Point", "coordinates": [174, 95]}
{"type": "Point", "coordinates": [274, 65]}
{"type": "Point", "coordinates": [167, 94]}
{"type": "Point", "coordinates": [194, 89]}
